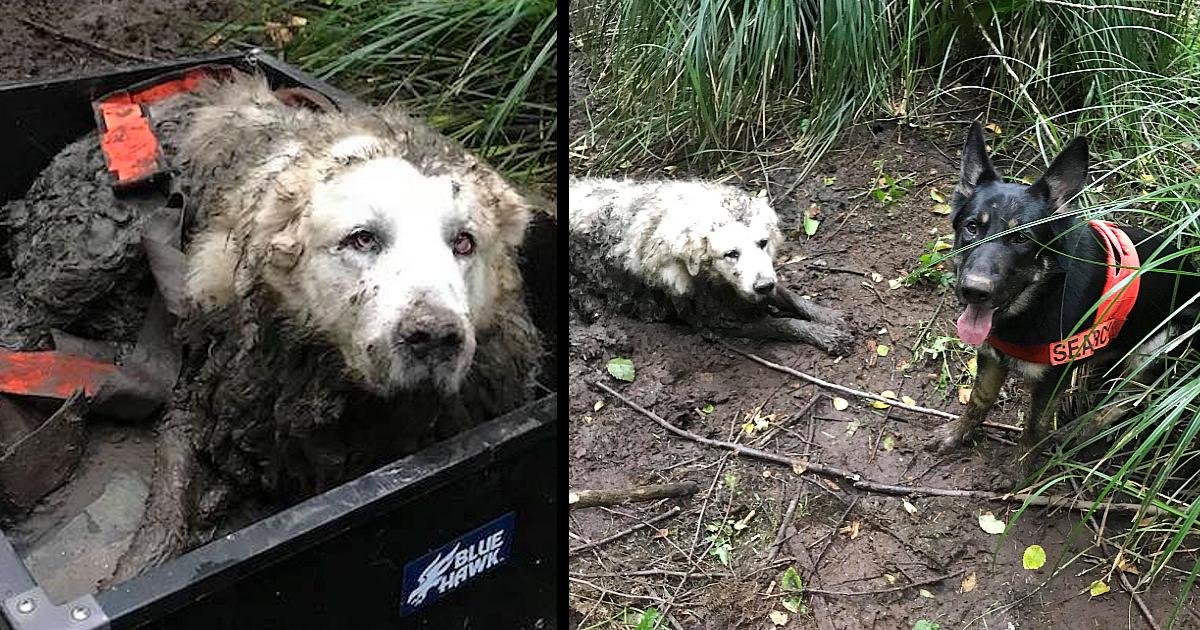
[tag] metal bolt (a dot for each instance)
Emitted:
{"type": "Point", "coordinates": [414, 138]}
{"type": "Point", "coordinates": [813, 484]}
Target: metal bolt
{"type": "Point", "coordinates": [26, 606]}
{"type": "Point", "coordinates": [79, 613]}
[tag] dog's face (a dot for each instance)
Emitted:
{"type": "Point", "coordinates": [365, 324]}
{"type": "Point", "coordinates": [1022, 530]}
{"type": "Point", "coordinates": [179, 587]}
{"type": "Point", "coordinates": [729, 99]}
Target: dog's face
{"type": "Point", "coordinates": [743, 253]}
{"type": "Point", "coordinates": [395, 267]}
{"type": "Point", "coordinates": [993, 275]}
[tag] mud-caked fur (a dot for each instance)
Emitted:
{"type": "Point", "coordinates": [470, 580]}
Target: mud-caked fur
{"type": "Point", "coordinates": [692, 250]}
{"type": "Point", "coordinates": [1037, 281]}
{"type": "Point", "coordinates": [352, 292]}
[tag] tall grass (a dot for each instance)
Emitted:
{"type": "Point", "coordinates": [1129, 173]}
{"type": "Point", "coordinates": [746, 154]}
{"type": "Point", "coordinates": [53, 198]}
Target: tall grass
{"type": "Point", "coordinates": [481, 71]}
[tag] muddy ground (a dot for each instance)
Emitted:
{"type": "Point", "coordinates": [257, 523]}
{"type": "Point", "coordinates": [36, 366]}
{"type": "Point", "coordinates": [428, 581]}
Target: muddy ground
{"type": "Point", "coordinates": [839, 539]}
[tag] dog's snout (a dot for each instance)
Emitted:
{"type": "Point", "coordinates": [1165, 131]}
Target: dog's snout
{"type": "Point", "coordinates": [976, 289]}
{"type": "Point", "coordinates": [430, 332]}
{"type": "Point", "coordinates": [764, 286]}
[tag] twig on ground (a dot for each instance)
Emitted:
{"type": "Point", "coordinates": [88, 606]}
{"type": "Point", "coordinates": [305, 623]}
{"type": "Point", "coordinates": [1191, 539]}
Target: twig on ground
{"type": "Point", "coordinates": [890, 589]}
{"type": "Point", "coordinates": [829, 540]}
{"type": "Point", "coordinates": [621, 534]}
{"type": "Point", "coordinates": [646, 572]}
{"type": "Point", "coordinates": [836, 269]}
{"type": "Point", "coordinates": [578, 499]}
{"type": "Point", "coordinates": [857, 392]}
{"type": "Point", "coordinates": [929, 326]}
{"type": "Point", "coordinates": [96, 46]}
{"type": "Point", "coordinates": [606, 591]}
{"type": "Point", "coordinates": [783, 525]}
{"type": "Point", "coordinates": [800, 466]}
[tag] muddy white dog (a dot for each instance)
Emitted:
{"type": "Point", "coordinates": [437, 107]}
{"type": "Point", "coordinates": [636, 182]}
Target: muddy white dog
{"type": "Point", "coordinates": [692, 250]}
{"type": "Point", "coordinates": [349, 292]}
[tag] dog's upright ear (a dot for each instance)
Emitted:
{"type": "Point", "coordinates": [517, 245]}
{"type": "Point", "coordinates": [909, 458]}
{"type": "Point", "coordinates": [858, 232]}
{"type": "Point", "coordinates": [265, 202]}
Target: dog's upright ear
{"type": "Point", "coordinates": [977, 167]}
{"type": "Point", "coordinates": [1065, 177]}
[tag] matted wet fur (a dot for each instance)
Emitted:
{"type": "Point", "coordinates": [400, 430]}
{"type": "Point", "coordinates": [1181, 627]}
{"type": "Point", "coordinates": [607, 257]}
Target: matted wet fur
{"type": "Point", "coordinates": [694, 251]}
{"type": "Point", "coordinates": [316, 346]}
{"type": "Point", "coordinates": [1031, 287]}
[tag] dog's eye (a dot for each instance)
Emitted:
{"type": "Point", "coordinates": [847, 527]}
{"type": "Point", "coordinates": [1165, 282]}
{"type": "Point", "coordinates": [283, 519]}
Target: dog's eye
{"type": "Point", "coordinates": [762, 244]}
{"type": "Point", "coordinates": [464, 244]}
{"type": "Point", "coordinates": [733, 254]}
{"type": "Point", "coordinates": [970, 227]}
{"type": "Point", "coordinates": [362, 240]}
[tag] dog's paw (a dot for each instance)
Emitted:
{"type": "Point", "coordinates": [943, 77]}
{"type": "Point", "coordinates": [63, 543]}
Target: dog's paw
{"type": "Point", "coordinates": [1012, 476]}
{"type": "Point", "coordinates": [823, 315]}
{"type": "Point", "coordinates": [948, 437]}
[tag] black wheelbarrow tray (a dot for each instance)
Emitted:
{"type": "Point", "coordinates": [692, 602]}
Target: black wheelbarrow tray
{"type": "Point", "coordinates": [385, 550]}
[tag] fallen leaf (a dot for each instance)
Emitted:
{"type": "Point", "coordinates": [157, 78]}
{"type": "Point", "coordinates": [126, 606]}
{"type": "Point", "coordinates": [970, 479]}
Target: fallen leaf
{"type": "Point", "coordinates": [882, 350]}
{"type": "Point", "coordinates": [941, 246]}
{"type": "Point", "coordinates": [968, 582]}
{"type": "Point", "coordinates": [854, 526]}
{"type": "Point", "coordinates": [790, 582]}
{"type": "Point", "coordinates": [909, 507]}
{"type": "Point", "coordinates": [896, 283]}
{"type": "Point", "coordinates": [972, 366]}
{"type": "Point", "coordinates": [745, 522]}
{"type": "Point", "coordinates": [875, 277]}
{"type": "Point", "coordinates": [799, 467]}
{"type": "Point", "coordinates": [937, 196]}
{"type": "Point", "coordinates": [1147, 177]}
{"type": "Point", "coordinates": [810, 220]}
{"type": "Point", "coordinates": [298, 21]}
{"type": "Point", "coordinates": [879, 404]}
{"type": "Point", "coordinates": [889, 442]}
{"type": "Point", "coordinates": [925, 593]}
{"type": "Point", "coordinates": [588, 419]}
{"type": "Point", "coordinates": [621, 369]}
{"type": "Point", "coordinates": [964, 395]}
{"type": "Point", "coordinates": [662, 533]}
{"type": "Point", "coordinates": [907, 400]}
{"type": "Point", "coordinates": [1098, 588]}
{"type": "Point", "coordinates": [925, 624]}
{"type": "Point", "coordinates": [840, 404]}
{"type": "Point", "coordinates": [994, 128]}
{"type": "Point", "coordinates": [1034, 557]}
{"type": "Point", "coordinates": [708, 408]}
{"type": "Point", "coordinates": [598, 406]}
{"type": "Point", "coordinates": [1125, 566]}
{"type": "Point", "coordinates": [940, 209]}
{"type": "Point", "coordinates": [852, 428]}
{"type": "Point", "coordinates": [779, 618]}
{"type": "Point", "coordinates": [990, 524]}
{"type": "Point", "coordinates": [891, 579]}
{"type": "Point", "coordinates": [794, 605]}
{"type": "Point", "coordinates": [887, 393]}
{"type": "Point", "coordinates": [832, 486]}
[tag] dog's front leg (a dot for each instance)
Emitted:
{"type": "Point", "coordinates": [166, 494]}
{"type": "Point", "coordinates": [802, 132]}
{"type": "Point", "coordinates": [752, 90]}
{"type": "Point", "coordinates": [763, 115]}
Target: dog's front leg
{"type": "Point", "coordinates": [828, 338]}
{"type": "Point", "coordinates": [164, 530]}
{"type": "Point", "coordinates": [1044, 399]}
{"type": "Point", "coordinates": [991, 374]}
{"type": "Point", "coordinates": [786, 300]}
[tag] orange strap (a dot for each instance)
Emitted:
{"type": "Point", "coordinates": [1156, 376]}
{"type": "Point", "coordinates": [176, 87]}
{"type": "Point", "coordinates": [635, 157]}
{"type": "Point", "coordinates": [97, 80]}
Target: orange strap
{"type": "Point", "coordinates": [1122, 263]}
{"type": "Point", "coordinates": [51, 374]}
{"type": "Point", "coordinates": [126, 136]}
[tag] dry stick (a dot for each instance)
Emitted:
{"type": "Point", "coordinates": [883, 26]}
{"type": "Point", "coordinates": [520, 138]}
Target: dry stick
{"type": "Point", "coordinates": [902, 587]}
{"type": "Point", "coordinates": [579, 499]}
{"type": "Point", "coordinates": [621, 534]}
{"type": "Point", "coordinates": [800, 466]}
{"type": "Point", "coordinates": [787, 518]}
{"type": "Point", "coordinates": [108, 50]}
{"type": "Point", "coordinates": [859, 393]}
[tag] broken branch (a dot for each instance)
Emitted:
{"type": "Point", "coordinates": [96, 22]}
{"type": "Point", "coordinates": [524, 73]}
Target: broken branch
{"type": "Point", "coordinates": [579, 499]}
{"type": "Point", "coordinates": [800, 466]}
{"type": "Point", "coordinates": [623, 533]}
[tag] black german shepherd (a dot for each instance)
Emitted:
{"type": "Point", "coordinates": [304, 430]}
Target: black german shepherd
{"type": "Point", "coordinates": [1027, 293]}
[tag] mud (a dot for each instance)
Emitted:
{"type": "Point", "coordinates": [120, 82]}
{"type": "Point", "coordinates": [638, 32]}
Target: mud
{"type": "Point", "coordinates": [839, 539]}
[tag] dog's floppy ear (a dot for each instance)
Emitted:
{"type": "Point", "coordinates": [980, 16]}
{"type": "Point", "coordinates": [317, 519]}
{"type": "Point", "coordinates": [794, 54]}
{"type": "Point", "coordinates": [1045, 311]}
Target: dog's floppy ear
{"type": "Point", "coordinates": [977, 168]}
{"type": "Point", "coordinates": [1065, 177]}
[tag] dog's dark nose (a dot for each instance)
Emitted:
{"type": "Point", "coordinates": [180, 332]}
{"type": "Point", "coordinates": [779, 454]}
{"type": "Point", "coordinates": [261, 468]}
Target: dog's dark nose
{"type": "Point", "coordinates": [975, 289]}
{"type": "Point", "coordinates": [429, 332]}
{"type": "Point", "coordinates": [764, 287]}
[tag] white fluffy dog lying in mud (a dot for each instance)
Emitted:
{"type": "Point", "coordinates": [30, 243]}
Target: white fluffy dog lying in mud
{"type": "Point", "coordinates": [352, 293]}
{"type": "Point", "coordinates": [692, 250]}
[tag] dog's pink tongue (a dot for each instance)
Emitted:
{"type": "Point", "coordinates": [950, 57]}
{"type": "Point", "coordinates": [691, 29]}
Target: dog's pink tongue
{"type": "Point", "coordinates": [974, 324]}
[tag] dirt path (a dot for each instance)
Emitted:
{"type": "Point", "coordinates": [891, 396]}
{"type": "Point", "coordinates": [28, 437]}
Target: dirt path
{"type": "Point", "coordinates": [159, 29]}
{"type": "Point", "coordinates": [840, 539]}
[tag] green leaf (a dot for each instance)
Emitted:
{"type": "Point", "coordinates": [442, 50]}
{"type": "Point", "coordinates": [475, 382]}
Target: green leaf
{"type": "Point", "coordinates": [708, 408]}
{"type": "Point", "coordinates": [649, 617]}
{"type": "Point", "coordinates": [791, 582]}
{"type": "Point", "coordinates": [923, 624]}
{"type": "Point", "coordinates": [1098, 588]}
{"type": "Point", "coordinates": [991, 524]}
{"type": "Point", "coordinates": [810, 225]}
{"type": "Point", "coordinates": [794, 605]}
{"type": "Point", "coordinates": [621, 369]}
{"type": "Point", "coordinates": [1034, 557]}
{"type": "Point", "coordinates": [828, 181]}
{"type": "Point", "coordinates": [731, 481]}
